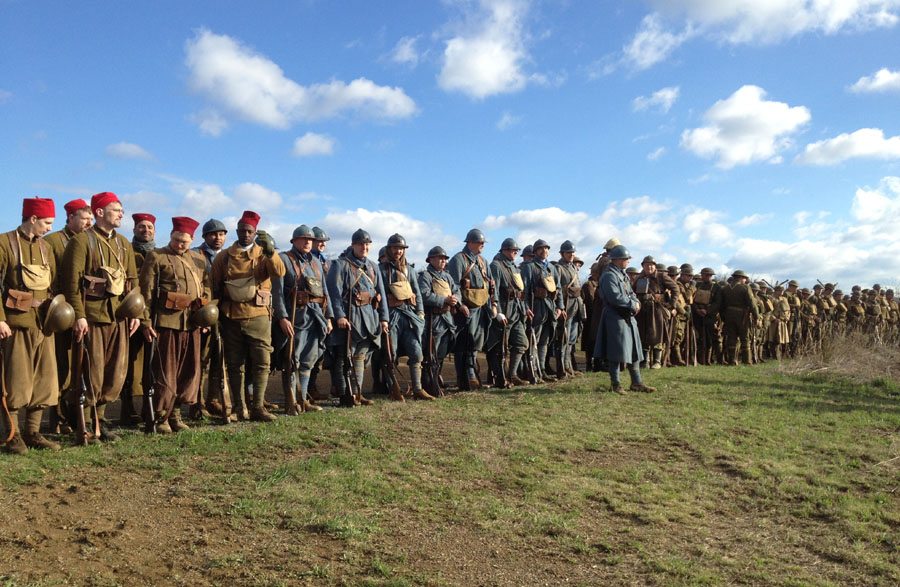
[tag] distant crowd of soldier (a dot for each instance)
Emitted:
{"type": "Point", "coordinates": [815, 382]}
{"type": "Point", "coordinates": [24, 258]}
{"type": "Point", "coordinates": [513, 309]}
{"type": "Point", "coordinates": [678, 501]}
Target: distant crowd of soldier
{"type": "Point", "coordinates": [90, 318]}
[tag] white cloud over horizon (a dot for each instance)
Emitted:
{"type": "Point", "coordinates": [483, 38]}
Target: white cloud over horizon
{"type": "Point", "coordinates": [884, 80]}
{"type": "Point", "coordinates": [745, 128]}
{"type": "Point", "coordinates": [865, 143]}
{"type": "Point", "coordinates": [244, 84]}
{"type": "Point", "coordinates": [312, 144]}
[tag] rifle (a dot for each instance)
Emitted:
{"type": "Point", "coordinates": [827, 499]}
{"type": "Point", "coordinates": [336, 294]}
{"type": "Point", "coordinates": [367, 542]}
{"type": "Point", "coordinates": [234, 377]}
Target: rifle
{"type": "Point", "coordinates": [431, 368]}
{"type": "Point", "coordinates": [532, 369]}
{"type": "Point", "coordinates": [668, 336]}
{"type": "Point", "coordinates": [149, 378]}
{"type": "Point", "coordinates": [349, 376]}
{"type": "Point", "coordinates": [78, 384]}
{"type": "Point", "coordinates": [7, 417]}
{"type": "Point", "coordinates": [389, 367]}
{"type": "Point", "coordinates": [289, 368]}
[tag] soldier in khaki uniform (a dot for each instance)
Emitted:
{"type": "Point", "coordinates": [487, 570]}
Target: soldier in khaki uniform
{"type": "Point", "coordinates": [874, 315]}
{"type": "Point", "coordinates": [839, 319]}
{"type": "Point", "coordinates": [856, 313]}
{"type": "Point", "coordinates": [709, 344]}
{"type": "Point", "coordinates": [27, 272]}
{"type": "Point", "coordinates": [659, 296]}
{"type": "Point", "coordinates": [78, 219]}
{"type": "Point", "coordinates": [98, 271]}
{"type": "Point", "coordinates": [242, 282]}
{"type": "Point", "coordinates": [681, 354]}
{"type": "Point", "coordinates": [778, 335]}
{"type": "Point", "coordinates": [738, 309]}
{"type": "Point", "coordinates": [793, 297]}
{"type": "Point", "coordinates": [175, 283]}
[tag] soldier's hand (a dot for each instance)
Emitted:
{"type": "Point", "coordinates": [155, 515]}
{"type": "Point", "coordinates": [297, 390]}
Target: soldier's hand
{"type": "Point", "coordinates": [343, 324]}
{"type": "Point", "coordinates": [560, 314]}
{"type": "Point", "coordinates": [5, 330]}
{"type": "Point", "coordinates": [385, 327]}
{"type": "Point", "coordinates": [150, 334]}
{"type": "Point", "coordinates": [529, 314]}
{"type": "Point", "coordinates": [636, 312]}
{"type": "Point", "coordinates": [451, 300]}
{"type": "Point", "coordinates": [286, 327]}
{"type": "Point", "coordinates": [133, 325]}
{"type": "Point", "coordinates": [79, 329]}
{"type": "Point", "coordinates": [674, 312]}
{"type": "Point", "coordinates": [329, 327]}
{"type": "Point", "coordinates": [266, 242]}
{"type": "Point", "coordinates": [464, 309]}
{"type": "Point", "coordinates": [701, 312]}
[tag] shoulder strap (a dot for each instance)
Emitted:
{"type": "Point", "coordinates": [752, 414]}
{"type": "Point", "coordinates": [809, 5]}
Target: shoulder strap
{"type": "Point", "coordinates": [92, 246]}
{"type": "Point", "coordinates": [14, 244]}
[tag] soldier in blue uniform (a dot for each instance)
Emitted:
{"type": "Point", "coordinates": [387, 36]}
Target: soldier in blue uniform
{"type": "Point", "coordinates": [543, 296]}
{"type": "Point", "coordinates": [511, 294]}
{"type": "Point", "coordinates": [441, 299]}
{"type": "Point", "coordinates": [570, 289]}
{"type": "Point", "coordinates": [300, 311]}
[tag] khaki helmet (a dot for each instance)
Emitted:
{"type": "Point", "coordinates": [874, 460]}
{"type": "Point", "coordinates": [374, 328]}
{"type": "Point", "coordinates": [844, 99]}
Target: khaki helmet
{"type": "Point", "coordinates": [60, 316]}
{"type": "Point", "coordinates": [205, 316]}
{"type": "Point", "coordinates": [611, 243]}
{"type": "Point", "coordinates": [132, 306]}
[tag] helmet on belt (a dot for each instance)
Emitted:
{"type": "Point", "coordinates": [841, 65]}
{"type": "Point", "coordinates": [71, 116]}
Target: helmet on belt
{"type": "Point", "coordinates": [360, 237]}
{"type": "Point", "coordinates": [567, 247]}
{"type": "Point", "coordinates": [213, 225]}
{"type": "Point", "coordinates": [619, 252]}
{"type": "Point", "coordinates": [540, 243]}
{"type": "Point", "coordinates": [320, 234]}
{"type": "Point", "coordinates": [475, 236]}
{"type": "Point", "coordinates": [205, 316]}
{"type": "Point", "coordinates": [60, 316]}
{"type": "Point", "coordinates": [132, 306]}
{"type": "Point", "coordinates": [302, 231]}
{"type": "Point", "coordinates": [437, 252]}
{"type": "Point", "coordinates": [611, 243]}
{"type": "Point", "coordinates": [397, 240]}
{"type": "Point", "coordinates": [509, 244]}
{"type": "Point", "coordinates": [528, 250]}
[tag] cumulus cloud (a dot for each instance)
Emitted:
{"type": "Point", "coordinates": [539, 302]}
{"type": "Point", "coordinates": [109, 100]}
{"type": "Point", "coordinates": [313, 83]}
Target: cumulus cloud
{"type": "Point", "coordinates": [753, 22]}
{"type": "Point", "coordinates": [866, 143]}
{"type": "Point", "coordinates": [244, 84]}
{"type": "Point", "coordinates": [753, 220]}
{"type": "Point", "coordinates": [705, 225]}
{"type": "Point", "coordinates": [127, 151]}
{"type": "Point", "coordinates": [661, 100]}
{"type": "Point", "coordinates": [745, 128]}
{"type": "Point", "coordinates": [884, 80]}
{"type": "Point", "coordinates": [487, 57]}
{"type": "Point", "coordinates": [405, 52]}
{"type": "Point", "coordinates": [655, 155]}
{"type": "Point", "coordinates": [312, 144]}
{"type": "Point", "coordinates": [210, 122]}
{"type": "Point", "coordinates": [507, 120]}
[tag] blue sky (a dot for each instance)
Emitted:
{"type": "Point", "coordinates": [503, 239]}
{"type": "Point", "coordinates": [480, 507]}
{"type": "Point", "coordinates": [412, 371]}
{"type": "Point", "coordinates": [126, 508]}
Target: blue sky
{"type": "Point", "coordinates": [753, 134]}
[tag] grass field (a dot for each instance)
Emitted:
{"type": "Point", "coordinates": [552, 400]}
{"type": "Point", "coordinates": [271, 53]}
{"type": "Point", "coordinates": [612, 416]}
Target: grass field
{"type": "Point", "coordinates": [727, 475]}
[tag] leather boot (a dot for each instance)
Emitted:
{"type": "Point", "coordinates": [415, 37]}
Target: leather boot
{"type": "Point", "coordinates": [290, 402]}
{"type": "Point", "coordinates": [32, 435]}
{"type": "Point", "coordinates": [642, 388]}
{"type": "Point", "coordinates": [516, 380]}
{"type": "Point", "coordinates": [17, 445]}
{"type": "Point", "coordinates": [127, 414]}
{"type": "Point", "coordinates": [657, 359]}
{"type": "Point", "coordinates": [175, 421]}
{"type": "Point", "coordinates": [397, 395]}
{"type": "Point", "coordinates": [645, 364]}
{"type": "Point", "coordinates": [422, 394]}
{"type": "Point", "coordinates": [308, 407]}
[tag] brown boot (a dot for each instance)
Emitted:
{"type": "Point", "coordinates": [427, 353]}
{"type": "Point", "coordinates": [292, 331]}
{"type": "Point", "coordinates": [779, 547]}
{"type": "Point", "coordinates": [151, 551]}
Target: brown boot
{"type": "Point", "coordinates": [214, 408]}
{"type": "Point", "coordinates": [516, 380]}
{"type": "Point", "coordinates": [32, 435]}
{"type": "Point", "coordinates": [363, 401]}
{"type": "Point", "coordinates": [17, 445]}
{"type": "Point", "coordinates": [641, 387]}
{"type": "Point", "coordinates": [175, 421]}
{"type": "Point", "coordinates": [308, 407]}
{"type": "Point", "coordinates": [163, 427]}
{"type": "Point", "coordinates": [259, 413]}
{"type": "Point", "coordinates": [617, 388]}
{"type": "Point", "coordinates": [422, 394]}
{"type": "Point", "coordinates": [474, 385]}
{"type": "Point", "coordinates": [397, 395]}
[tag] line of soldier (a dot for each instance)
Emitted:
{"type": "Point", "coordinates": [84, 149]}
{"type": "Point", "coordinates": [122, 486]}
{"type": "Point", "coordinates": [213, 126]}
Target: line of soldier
{"type": "Point", "coordinates": [97, 318]}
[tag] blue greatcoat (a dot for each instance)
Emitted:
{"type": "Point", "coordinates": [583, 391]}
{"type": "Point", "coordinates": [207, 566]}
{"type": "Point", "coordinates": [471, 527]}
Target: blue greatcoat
{"type": "Point", "coordinates": [346, 277]}
{"type": "Point", "coordinates": [618, 340]}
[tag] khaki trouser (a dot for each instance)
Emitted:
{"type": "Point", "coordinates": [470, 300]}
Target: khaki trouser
{"type": "Point", "coordinates": [106, 356]}
{"type": "Point", "coordinates": [176, 367]}
{"type": "Point", "coordinates": [247, 340]}
{"type": "Point", "coordinates": [29, 369]}
{"type": "Point", "coordinates": [212, 376]}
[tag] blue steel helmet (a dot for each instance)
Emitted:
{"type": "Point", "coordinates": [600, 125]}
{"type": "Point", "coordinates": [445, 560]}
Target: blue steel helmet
{"type": "Point", "coordinates": [567, 247]}
{"type": "Point", "coordinates": [437, 252]}
{"type": "Point", "coordinates": [509, 244]}
{"type": "Point", "coordinates": [397, 240]}
{"type": "Point", "coordinates": [475, 236]}
{"type": "Point", "coordinates": [619, 252]}
{"type": "Point", "coordinates": [320, 234]}
{"type": "Point", "coordinates": [360, 236]}
{"type": "Point", "coordinates": [540, 243]}
{"type": "Point", "coordinates": [528, 250]}
{"type": "Point", "coordinates": [302, 231]}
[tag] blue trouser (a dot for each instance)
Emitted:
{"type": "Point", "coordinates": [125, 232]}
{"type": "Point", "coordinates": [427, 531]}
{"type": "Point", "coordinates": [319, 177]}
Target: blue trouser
{"type": "Point", "coordinates": [634, 370]}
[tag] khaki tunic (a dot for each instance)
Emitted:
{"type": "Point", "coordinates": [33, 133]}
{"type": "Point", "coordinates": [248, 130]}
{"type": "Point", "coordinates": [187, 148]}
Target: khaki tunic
{"type": "Point", "coordinates": [235, 263]}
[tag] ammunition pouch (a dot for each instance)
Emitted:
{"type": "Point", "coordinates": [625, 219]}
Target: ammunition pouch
{"type": "Point", "coordinates": [21, 300]}
{"type": "Point", "coordinates": [177, 301]}
{"type": "Point", "coordinates": [475, 298]}
{"type": "Point", "coordinates": [94, 287]}
{"type": "Point", "coordinates": [242, 289]}
{"type": "Point", "coordinates": [263, 298]}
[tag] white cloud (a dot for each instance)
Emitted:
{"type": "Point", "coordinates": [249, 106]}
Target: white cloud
{"type": "Point", "coordinates": [704, 225]}
{"type": "Point", "coordinates": [312, 144]}
{"type": "Point", "coordinates": [127, 151]}
{"type": "Point", "coordinates": [4, 95]}
{"type": "Point", "coordinates": [249, 86]}
{"type": "Point", "coordinates": [753, 220]}
{"type": "Point", "coordinates": [753, 22]}
{"type": "Point", "coordinates": [745, 128]}
{"type": "Point", "coordinates": [866, 143]}
{"type": "Point", "coordinates": [884, 80]}
{"type": "Point", "coordinates": [487, 58]}
{"type": "Point", "coordinates": [210, 122]}
{"type": "Point", "coordinates": [405, 52]}
{"type": "Point", "coordinates": [507, 121]}
{"type": "Point", "coordinates": [661, 99]}
{"type": "Point", "coordinates": [655, 155]}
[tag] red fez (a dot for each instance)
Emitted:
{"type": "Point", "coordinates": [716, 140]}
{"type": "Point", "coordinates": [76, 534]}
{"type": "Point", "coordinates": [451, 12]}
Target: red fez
{"type": "Point", "coordinates": [40, 207]}
{"type": "Point", "coordinates": [142, 216]}
{"type": "Point", "coordinates": [251, 218]}
{"type": "Point", "coordinates": [75, 206]}
{"type": "Point", "coordinates": [184, 224]}
{"type": "Point", "coordinates": [102, 200]}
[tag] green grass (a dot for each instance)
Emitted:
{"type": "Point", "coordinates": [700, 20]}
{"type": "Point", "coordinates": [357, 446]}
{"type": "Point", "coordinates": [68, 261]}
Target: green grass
{"type": "Point", "coordinates": [726, 475]}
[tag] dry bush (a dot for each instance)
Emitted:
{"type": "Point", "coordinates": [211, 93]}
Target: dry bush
{"type": "Point", "coordinates": [853, 356]}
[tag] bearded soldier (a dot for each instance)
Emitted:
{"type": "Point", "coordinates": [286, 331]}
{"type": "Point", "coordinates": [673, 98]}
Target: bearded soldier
{"type": "Point", "coordinates": [778, 335]}
{"type": "Point", "coordinates": [407, 312]}
{"type": "Point", "coordinates": [359, 304]}
{"type": "Point", "coordinates": [543, 295]}
{"type": "Point", "coordinates": [241, 279]}
{"type": "Point", "coordinates": [212, 378]}
{"type": "Point", "coordinates": [29, 378]}
{"type": "Point", "coordinates": [681, 353]}
{"type": "Point", "coordinates": [479, 296]}
{"type": "Point", "coordinates": [302, 313]}
{"type": "Point", "coordinates": [570, 286]}
{"type": "Point", "coordinates": [175, 283]}
{"type": "Point", "coordinates": [78, 219]}
{"type": "Point", "coordinates": [97, 273]}
{"type": "Point", "coordinates": [658, 295]}
{"type": "Point", "coordinates": [511, 291]}
{"type": "Point", "coordinates": [441, 297]}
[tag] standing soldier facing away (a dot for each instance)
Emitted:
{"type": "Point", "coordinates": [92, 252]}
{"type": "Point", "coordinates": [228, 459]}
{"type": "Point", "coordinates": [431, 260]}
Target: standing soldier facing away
{"type": "Point", "coordinates": [242, 282]}
{"type": "Point", "coordinates": [97, 273]}
{"type": "Point", "coordinates": [27, 272]}
{"type": "Point", "coordinates": [175, 283]}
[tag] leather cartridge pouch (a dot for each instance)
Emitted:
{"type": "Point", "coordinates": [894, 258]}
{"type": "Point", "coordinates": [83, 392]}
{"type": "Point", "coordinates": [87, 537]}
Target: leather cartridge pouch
{"type": "Point", "coordinates": [701, 296]}
{"type": "Point", "coordinates": [441, 288]}
{"type": "Point", "coordinates": [401, 290]}
{"type": "Point", "coordinates": [574, 291]}
{"type": "Point", "coordinates": [178, 301]}
{"type": "Point", "coordinates": [362, 298]}
{"type": "Point", "coordinates": [242, 289]}
{"type": "Point", "coordinates": [94, 287]}
{"type": "Point", "coordinates": [517, 281]}
{"type": "Point", "coordinates": [475, 298]}
{"type": "Point", "coordinates": [314, 287]}
{"type": "Point", "coordinates": [540, 292]}
{"type": "Point", "coordinates": [263, 298]}
{"type": "Point", "coordinates": [20, 300]}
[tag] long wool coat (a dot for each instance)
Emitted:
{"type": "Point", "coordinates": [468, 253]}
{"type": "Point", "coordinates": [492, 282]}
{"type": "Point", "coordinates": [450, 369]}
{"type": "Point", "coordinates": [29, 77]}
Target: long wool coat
{"type": "Point", "coordinates": [618, 340]}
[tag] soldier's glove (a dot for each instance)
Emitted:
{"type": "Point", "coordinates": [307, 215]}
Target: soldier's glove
{"type": "Point", "coordinates": [266, 242]}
